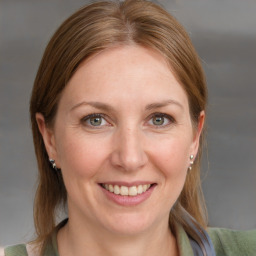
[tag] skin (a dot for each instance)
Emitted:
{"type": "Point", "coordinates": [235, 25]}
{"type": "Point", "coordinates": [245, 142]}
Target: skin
{"type": "Point", "coordinates": [127, 146]}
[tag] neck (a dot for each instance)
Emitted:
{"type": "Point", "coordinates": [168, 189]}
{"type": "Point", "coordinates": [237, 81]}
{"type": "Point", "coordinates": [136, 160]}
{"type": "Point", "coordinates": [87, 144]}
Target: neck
{"type": "Point", "coordinates": [78, 239]}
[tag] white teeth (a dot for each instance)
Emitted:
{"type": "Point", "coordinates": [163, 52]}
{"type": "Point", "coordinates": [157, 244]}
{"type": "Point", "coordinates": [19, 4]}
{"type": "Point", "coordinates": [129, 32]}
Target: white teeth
{"type": "Point", "coordinates": [110, 188]}
{"type": "Point", "coordinates": [116, 190]}
{"type": "Point", "coordinates": [140, 189]}
{"type": "Point", "coordinates": [126, 191]}
{"type": "Point", "coordinates": [133, 191]}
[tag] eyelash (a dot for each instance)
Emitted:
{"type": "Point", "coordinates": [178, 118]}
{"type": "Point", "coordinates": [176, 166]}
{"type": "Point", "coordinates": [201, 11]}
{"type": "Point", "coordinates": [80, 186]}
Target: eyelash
{"type": "Point", "coordinates": [101, 115]}
{"type": "Point", "coordinates": [88, 117]}
{"type": "Point", "coordinates": [171, 120]}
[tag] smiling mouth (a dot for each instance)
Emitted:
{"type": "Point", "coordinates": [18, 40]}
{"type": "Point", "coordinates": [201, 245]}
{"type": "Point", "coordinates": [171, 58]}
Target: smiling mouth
{"type": "Point", "coordinates": [127, 191]}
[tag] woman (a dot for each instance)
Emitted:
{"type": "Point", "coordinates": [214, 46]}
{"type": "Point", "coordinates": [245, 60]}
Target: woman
{"type": "Point", "coordinates": [117, 112]}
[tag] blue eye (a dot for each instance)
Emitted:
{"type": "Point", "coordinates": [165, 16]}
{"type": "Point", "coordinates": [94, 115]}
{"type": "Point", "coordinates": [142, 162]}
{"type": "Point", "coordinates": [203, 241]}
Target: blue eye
{"type": "Point", "coordinates": [94, 120]}
{"type": "Point", "coordinates": [161, 119]}
{"type": "Point", "coordinates": [156, 119]}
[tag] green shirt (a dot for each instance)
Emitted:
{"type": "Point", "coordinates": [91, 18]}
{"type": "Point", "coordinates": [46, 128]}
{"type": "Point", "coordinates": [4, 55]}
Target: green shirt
{"type": "Point", "coordinates": [226, 243]}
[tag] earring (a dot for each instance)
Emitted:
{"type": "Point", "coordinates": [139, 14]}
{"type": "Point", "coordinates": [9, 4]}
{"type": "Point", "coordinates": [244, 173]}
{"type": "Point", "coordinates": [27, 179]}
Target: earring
{"type": "Point", "coordinates": [52, 161]}
{"type": "Point", "coordinates": [191, 162]}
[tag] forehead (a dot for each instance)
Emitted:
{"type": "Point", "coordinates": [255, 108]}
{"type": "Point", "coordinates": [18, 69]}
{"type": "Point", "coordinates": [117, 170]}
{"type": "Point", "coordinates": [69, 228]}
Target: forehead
{"type": "Point", "coordinates": [141, 73]}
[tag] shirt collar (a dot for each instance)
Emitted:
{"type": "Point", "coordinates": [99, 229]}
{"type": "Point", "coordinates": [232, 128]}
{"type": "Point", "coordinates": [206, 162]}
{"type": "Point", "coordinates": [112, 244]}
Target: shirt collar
{"type": "Point", "coordinates": [183, 242]}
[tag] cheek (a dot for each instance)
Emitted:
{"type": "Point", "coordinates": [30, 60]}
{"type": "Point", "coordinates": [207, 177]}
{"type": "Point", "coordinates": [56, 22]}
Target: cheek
{"type": "Point", "coordinates": [80, 155]}
{"type": "Point", "coordinates": [172, 161]}
{"type": "Point", "coordinates": [172, 157]}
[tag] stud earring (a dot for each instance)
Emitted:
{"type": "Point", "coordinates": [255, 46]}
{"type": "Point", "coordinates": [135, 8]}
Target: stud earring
{"type": "Point", "coordinates": [191, 162]}
{"type": "Point", "coordinates": [52, 161]}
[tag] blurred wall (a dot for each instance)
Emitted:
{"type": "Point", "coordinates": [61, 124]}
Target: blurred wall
{"type": "Point", "coordinates": [224, 34]}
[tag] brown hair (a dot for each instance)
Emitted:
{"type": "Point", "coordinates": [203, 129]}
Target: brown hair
{"type": "Point", "coordinates": [90, 30]}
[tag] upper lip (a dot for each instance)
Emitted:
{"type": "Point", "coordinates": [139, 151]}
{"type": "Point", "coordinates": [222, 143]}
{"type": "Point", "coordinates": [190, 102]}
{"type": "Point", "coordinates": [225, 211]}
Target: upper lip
{"type": "Point", "coordinates": [127, 184]}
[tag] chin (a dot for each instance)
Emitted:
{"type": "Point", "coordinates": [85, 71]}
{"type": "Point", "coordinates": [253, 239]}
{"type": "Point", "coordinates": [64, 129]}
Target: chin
{"type": "Point", "coordinates": [130, 224]}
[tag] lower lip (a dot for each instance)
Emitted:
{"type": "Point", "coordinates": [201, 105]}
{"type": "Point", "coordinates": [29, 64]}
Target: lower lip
{"type": "Point", "coordinates": [128, 200]}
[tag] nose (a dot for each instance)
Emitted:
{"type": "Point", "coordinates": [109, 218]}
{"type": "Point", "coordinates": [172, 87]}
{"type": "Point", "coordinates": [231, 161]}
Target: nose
{"type": "Point", "coordinates": [128, 150]}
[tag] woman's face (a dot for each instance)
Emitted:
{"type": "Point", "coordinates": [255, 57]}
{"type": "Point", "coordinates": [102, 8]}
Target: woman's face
{"type": "Point", "coordinates": [122, 138]}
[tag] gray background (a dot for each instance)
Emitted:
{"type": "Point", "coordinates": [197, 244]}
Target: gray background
{"type": "Point", "coordinates": [224, 34]}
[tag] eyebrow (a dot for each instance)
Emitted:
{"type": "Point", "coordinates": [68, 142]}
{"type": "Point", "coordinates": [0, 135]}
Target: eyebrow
{"type": "Point", "coordinates": [163, 104]}
{"type": "Point", "coordinates": [106, 107]}
{"type": "Point", "coordinates": [94, 104]}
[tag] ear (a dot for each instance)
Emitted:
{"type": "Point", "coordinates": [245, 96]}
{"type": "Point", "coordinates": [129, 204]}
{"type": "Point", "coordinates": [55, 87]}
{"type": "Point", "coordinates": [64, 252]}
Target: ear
{"type": "Point", "coordinates": [197, 133]}
{"type": "Point", "coordinates": [48, 136]}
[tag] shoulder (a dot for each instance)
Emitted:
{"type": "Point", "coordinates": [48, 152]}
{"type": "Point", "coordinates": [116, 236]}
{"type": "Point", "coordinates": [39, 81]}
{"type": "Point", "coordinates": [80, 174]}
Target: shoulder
{"type": "Point", "coordinates": [50, 247]}
{"type": "Point", "coordinates": [229, 242]}
{"type": "Point", "coordinates": [16, 250]}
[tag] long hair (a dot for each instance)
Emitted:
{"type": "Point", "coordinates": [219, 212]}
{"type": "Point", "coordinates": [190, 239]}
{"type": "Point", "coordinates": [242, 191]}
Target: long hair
{"type": "Point", "coordinates": [92, 29]}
